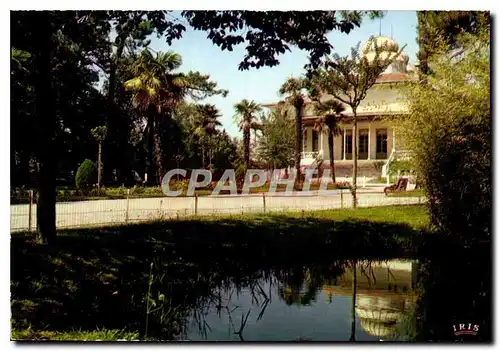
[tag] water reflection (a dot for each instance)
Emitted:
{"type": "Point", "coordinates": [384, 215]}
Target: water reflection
{"type": "Point", "coordinates": [310, 303]}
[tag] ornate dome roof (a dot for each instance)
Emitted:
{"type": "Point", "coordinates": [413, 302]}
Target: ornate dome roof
{"type": "Point", "coordinates": [377, 328]}
{"type": "Point", "coordinates": [388, 49]}
{"type": "Point", "coordinates": [381, 41]}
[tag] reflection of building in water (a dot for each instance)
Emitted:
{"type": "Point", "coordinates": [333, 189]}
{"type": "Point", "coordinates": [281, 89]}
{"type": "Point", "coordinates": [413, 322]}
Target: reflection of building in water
{"type": "Point", "coordinates": [379, 314]}
{"type": "Point", "coordinates": [384, 294]}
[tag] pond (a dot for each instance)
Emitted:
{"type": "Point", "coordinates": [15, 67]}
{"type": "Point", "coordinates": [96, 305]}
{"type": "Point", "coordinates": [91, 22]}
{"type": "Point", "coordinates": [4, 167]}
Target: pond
{"type": "Point", "coordinates": [305, 304]}
{"type": "Point", "coordinates": [255, 286]}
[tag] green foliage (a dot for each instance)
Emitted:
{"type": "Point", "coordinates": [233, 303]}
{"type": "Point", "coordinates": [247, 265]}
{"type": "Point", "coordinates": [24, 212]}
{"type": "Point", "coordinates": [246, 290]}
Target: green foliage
{"type": "Point", "coordinates": [246, 117]}
{"type": "Point", "coordinates": [86, 176]}
{"type": "Point", "coordinates": [276, 146]}
{"type": "Point", "coordinates": [271, 33]}
{"type": "Point", "coordinates": [438, 28]}
{"type": "Point", "coordinates": [75, 335]}
{"type": "Point", "coordinates": [401, 167]}
{"type": "Point", "coordinates": [99, 133]}
{"type": "Point", "coordinates": [348, 79]}
{"type": "Point", "coordinates": [449, 131]}
{"type": "Point", "coordinates": [116, 261]}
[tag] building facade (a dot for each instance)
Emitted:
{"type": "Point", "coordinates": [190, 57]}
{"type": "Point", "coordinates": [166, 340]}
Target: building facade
{"type": "Point", "coordinates": [377, 139]}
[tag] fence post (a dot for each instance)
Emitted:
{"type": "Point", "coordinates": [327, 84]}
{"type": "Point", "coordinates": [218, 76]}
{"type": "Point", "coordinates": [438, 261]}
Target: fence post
{"type": "Point", "coordinates": [264, 201]}
{"type": "Point", "coordinates": [195, 204]}
{"type": "Point", "coordinates": [387, 179]}
{"type": "Point", "coordinates": [341, 198]}
{"type": "Point", "coordinates": [30, 211]}
{"type": "Point", "coordinates": [126, 213]}
{"type": "Point", "coordinates": [364, 181]}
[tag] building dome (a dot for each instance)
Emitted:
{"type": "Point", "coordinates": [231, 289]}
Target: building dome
{"type": "Point", "coordinates": [380, 314]}
{"type": "Point", "coordinates": [389, 50]}
{"type": "Point", "coordinates": [381, 41]}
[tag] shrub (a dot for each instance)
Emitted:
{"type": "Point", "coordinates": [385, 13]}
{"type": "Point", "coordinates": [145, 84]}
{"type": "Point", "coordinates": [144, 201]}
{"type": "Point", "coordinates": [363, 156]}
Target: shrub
{"type": "Point", "coordinates": [97, 192]}
{"type": "Point", "coordinates": [448, 128]}
{"type": "Point", "coordinates": [403, 167]}
{"type": "Point", "coordinates": [179, 184]}
{"type": "Point", "coordinates": [86, 176]}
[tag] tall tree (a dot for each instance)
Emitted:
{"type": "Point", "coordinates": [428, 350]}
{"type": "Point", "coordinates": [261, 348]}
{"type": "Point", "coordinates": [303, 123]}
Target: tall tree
{"type": "Point", "coordinates": [448, 129]}
{"type": "Point", "coordinates": [277, 145]}
{"type": "Point", "coordinates": [87, 36]}
{"type": "Point", "coordinates": [331, 115]}
{"type": "Point", "coordinates": [295, 92]}
{"type": "Point", "coordinates": [348, 79]}
{"type": "Point", "coordinates": [436, 28]}
{"type": "Point", "coordinates": [99, 133]}
{"type": "Point", "coordinates": [157, 90]}
{"type": "Point", "coordinates": [246, 117]}
{"type": "Point", "coordinates": [133, 30]}
{"type": "Point", "coordinates": [206, 123]}
{"type": "Point", "coordinates": [60, 47]}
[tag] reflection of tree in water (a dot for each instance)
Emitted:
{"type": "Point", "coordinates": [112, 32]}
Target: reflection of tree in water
{"type": "Point", "coordinates": [194, 290]}
{"type": "Point", "coordinates": [300, 285]}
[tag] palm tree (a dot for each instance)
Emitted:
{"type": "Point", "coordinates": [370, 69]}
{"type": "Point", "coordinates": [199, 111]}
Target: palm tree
{"type": "Point", "coordinates": [99, 134]}
{"type": "Point", "coordinates": [330, 112]}
{"type": "Point", "coordinates": [247, 120]}
{"type": "Point", "coordinates": [205, 126]}
{"type": "Point", "coordinates": [293, 90]}
{"type": "Point", "coordinates": [156, 91]}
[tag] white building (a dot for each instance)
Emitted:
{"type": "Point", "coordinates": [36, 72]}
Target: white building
{"type": "Point", "coordinates": [376, 140]}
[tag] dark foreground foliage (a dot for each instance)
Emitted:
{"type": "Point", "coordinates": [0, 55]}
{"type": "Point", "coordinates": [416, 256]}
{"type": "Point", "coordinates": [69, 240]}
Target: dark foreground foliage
{"type": "Point", "coordinates": [108, 279]}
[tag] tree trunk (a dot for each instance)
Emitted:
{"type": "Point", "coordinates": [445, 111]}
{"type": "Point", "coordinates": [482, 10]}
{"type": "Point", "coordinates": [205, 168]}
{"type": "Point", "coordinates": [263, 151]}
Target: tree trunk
{"type": "Point", "coordinates": [99, 166]}
{"type": "Point", "coordinates": [298, 141]}
{"type": "Point", "coordinates": [114, 68]}
{"type": "Point", "coordinates": [210, 153]}
{"type": "Point", "coordinates": [203, 158]}
{"type": "Point", "coordinates": [246, 146]}
{"type": "Point", "coordinates": [112, 118]}
{"type": "Point", "coordinates": [149, 148]}
{"type": "Point", "coordinates": [353, 307]}
{"type": "Point", "coordinates": [355, 160]}
{"type": "Point", "coordinates": [331, 153]}
{"type": "Point", "coordinates": [160, 171]}
{"type": "Point", "coordinates": [47, 155]}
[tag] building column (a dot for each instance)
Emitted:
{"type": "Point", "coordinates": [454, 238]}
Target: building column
{"type": "Point", "coordinates": [369, 139]}
{"type": "Point", "coordinates": [304, 139]}
{"type": "Point", "coordinates": [393, 139]}
{"type": "Point", "coordinates": [343, 156]}
{"type": "Point", "coordinates": [321, 142]}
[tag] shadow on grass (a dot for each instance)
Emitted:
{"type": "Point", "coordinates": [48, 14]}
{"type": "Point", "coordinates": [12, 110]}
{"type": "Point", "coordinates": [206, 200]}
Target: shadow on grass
{"type": "Point", "coordinates": [99, 278]}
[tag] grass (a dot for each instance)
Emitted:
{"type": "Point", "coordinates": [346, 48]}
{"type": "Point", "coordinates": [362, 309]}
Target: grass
{"type": "Point", "coordinates": [74, 335]}
{"type": "Point", "coordinates": [98, 278]}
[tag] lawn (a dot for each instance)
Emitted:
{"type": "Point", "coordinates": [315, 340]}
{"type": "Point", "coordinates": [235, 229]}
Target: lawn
{"type": "Point", "coordinates": [98, 278]}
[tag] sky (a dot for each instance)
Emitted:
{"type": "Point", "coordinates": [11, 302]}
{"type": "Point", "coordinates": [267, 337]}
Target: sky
{"type": "Point", "coordinates": [262, 85]}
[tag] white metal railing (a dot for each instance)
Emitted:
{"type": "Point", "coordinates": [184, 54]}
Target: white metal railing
{"type": "Point", "coordinates": [385, 168]}
{"type": "Point", "coordinates": [80, 214]}
{"type": "Point", "coordinates": [311, 154]}
{"type": "Point", "coordinates": [401, 154]}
